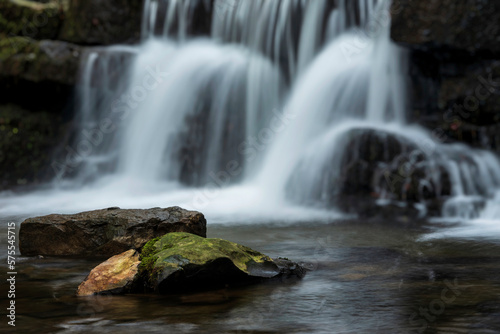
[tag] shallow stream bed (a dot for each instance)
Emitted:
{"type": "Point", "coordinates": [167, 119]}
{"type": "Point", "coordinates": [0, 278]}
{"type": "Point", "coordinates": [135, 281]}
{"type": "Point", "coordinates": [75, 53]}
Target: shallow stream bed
{"type": "Point", "coordinates": [366, 277]}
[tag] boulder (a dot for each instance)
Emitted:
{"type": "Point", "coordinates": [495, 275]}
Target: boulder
{"type": "Point", "coordinates": [104, 232]}
{"type": "Point", "coordinates": [378, 164]}
{"type": "Point", "coordinates": [376, 167]}
{"type": "Point", "coordinates": [180, 262]}
{"type": "Point", "coordinates": [102, 22]}
{"type": "Point", "coordinates": [114, 276]}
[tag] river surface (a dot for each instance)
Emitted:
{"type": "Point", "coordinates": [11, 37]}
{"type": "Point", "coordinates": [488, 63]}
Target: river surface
{"type": "Point", "coordinates": [366, 277]}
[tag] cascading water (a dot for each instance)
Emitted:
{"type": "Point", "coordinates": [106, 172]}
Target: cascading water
{"type": "Point", "coordinates": [269, 110]}
{"type": "Point", "coordinates": [101, 79]}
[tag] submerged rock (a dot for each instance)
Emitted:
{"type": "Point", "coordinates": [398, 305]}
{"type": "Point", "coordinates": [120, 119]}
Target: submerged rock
{"type": "Point", "coordinates": [115, 275]}
{"type": "Point", "coordinates": [104, 232]}
{"type": "Point", "coordinates": [186, 262]}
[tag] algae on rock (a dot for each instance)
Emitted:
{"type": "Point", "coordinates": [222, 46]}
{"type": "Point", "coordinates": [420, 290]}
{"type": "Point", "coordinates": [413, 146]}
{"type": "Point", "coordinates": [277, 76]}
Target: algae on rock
{"type": "Point", "coordinates": [182, 261]}
{"type": "Point", "coordinates": [31, 19]}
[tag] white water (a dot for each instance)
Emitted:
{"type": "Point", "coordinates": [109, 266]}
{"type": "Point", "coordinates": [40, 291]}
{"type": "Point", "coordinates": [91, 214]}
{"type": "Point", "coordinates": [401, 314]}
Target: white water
{"type": "Point", "coordinates": [269, 93]}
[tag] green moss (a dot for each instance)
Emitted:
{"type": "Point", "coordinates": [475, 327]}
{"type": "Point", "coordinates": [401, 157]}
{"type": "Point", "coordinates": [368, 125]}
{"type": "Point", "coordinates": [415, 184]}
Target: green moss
{"type": "Point", "coordinates": [98, 23]}
{"type": "Point", "coordinates": [148, 259]}
{"type": "Point", "coordinates": [149, 248]}
{"type": "Point", "coordinates": [30, 19]}
{"type": "Point", "coordinates": [16, 45]}
{"type": "Point", "coordinates": [175, 250]}
{"type": "Point", "coordinates": [201, 250]}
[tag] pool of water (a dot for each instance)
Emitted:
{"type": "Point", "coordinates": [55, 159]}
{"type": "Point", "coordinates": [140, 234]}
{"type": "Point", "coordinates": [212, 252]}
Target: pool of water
{"type": "Point", "coordinates": [366, 277]}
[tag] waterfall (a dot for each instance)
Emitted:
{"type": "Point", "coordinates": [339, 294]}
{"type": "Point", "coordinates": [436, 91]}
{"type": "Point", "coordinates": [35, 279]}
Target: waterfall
{"type": "Point", "coordinates": [101, 79]}
{"type": "Point", "coordinates": [267, 103]}
{"type": "Point", "coordinates": [196, 97]}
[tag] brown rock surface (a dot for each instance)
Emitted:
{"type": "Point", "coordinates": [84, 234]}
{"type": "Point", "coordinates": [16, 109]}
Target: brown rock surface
{"type": "Point", "coordinates": [115, 275]}
{"type": "Point", "coordinates": [104, 232]}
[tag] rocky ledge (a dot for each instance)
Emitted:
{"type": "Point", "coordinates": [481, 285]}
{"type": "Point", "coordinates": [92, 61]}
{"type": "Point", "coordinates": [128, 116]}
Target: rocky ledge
{"type": "Point", "coordinates": [104, 232]}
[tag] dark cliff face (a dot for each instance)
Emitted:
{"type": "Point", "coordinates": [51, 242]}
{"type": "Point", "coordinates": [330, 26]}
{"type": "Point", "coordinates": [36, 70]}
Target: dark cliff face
{"type": "Point", "coordinates": [468, 25]}
{"type": "Point", "coordinates": [102, 22]}
{"type": "Point", "coordinates": [41, 47]}
{"type": "Point", "coordinates": [454, 67]}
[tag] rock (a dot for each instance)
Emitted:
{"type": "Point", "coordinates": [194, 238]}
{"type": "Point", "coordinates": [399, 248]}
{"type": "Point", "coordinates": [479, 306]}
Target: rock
{"type": "Point", "coordinates": [47, 69]}
{"type": "Point", "coordinates": [39, 61]}
{"type": "Point", "coordinates": [289, 268]}
{"type": "Point", "coordinates": [26, 142]}
{"type": "Point", "coordinates": [36, 77]}
{"type": "Point", "coordinates": [476, 92]}
{"type": "Point", "coordinates": [37, 20]}
{"type": "Point", "coordinates": [454, 67]}
{"type": "Point", "coordinates": [456, 97]}
{"type": "Point", "coordinates": [185, 262]}
{"type": "Point", "coordinates": [102, 22]}
{"type": "Point", "coordinates": [472, 25]}
{"type": "Point", "coordinates": [115, 276]}
{"type": "Point", "coordinates": [375, 165]}
{"type": "Point", "coordinates": [104, 232]}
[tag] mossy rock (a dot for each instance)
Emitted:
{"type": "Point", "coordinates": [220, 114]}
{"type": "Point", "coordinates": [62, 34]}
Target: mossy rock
{"type": "Point", "coordinates": [31, 19]}
{"type": "Point", "coordinates": [26, 59]}
{"type": "Point", "coordinates": [180, 262]}
{"type": "Point", "coordinates": [102, 22]}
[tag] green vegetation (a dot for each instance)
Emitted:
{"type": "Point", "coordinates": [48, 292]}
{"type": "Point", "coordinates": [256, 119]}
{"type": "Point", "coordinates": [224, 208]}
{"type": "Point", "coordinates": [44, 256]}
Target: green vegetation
{"type": "Point", "coordinates": [170, 253]}
{"type": "Point", "coordinates": [17, 45]}
{"type": "Point", "coordinates": [31, 19]}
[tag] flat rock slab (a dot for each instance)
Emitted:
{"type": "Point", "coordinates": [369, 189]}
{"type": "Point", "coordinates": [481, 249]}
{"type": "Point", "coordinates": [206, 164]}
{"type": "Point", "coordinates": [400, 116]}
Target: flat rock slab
{"type": "Point", "coordinates": [112, 276]}
{"type": "Point", "coordinates": [104, 232]}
